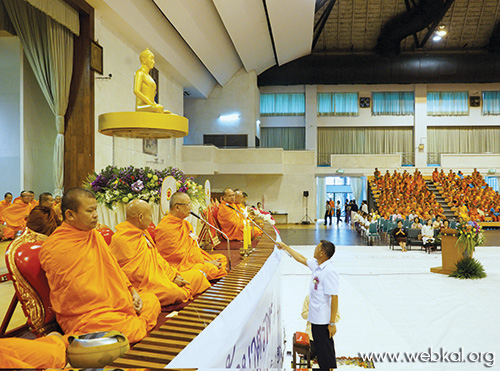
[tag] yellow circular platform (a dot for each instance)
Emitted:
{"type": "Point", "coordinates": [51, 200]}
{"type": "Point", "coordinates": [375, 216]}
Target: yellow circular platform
{"type": "Point", "coordinates": [147, 125]}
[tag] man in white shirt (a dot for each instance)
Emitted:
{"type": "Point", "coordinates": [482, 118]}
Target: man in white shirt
{"type": "Point", "coordinates": [324, 300]}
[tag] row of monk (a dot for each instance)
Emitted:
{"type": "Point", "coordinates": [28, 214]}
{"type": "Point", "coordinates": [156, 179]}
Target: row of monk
{"type": "Point", "coordinates": [96, 287]}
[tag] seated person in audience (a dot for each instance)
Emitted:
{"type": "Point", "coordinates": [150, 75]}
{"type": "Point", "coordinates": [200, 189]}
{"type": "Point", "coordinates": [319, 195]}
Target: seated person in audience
{"type": "Point", "coordinates": [43, 218]}
{"type": "Point", "coordinates": [15, 216]}
{"type": "Point", "coordinates": [438, 223]}
{"type": "Point", "coordinates": [428, 234]}
{"type": "Point", "coordinates": [375, 216]}
{"type": "Point", "coordinates": [177, 242]}
{"type": "Point", "coordinates": [88, 290]}
{"type": "Point", "coordinates": [446, 224]}
{"type": "Point", "coordinates": [463, 212]}
{"type": "Point", "coordinates": [136, 253]}
{"type": "Point", "coordinates": [435, 175]}
{"type": "Point", "coordinates": [57, 207]}
{"type": "Point", "coordinates": [33, 203]}
{"type": "Point", "coordinates": [396, 216]}
{"type": "Point", "coordinates": [230, 219]}
{"type": "Point", "coordinates": [5, 203]}
{"type": "Point", "coordinates": [412, 215]}
{"type": "Point", "coordinates": [376, 174]}
{"type": "Point", "coordinates": [259, 206]}
{"type": "Point", "coordinates": [451, 175]}
{"type": "Point", "coordinates": [45, 352]}
{"type": "Point", "coordinates": [399, 233]}
{"type": "Point", "coordinates": [416, 223]}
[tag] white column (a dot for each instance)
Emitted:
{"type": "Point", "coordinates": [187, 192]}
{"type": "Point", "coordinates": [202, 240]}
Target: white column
{"type": "Point", "coordinates": [321, 197]}
{"type": "Point", "coordinates": [311, 118]}
{"type": "Point", "coordinates": [420, 125]}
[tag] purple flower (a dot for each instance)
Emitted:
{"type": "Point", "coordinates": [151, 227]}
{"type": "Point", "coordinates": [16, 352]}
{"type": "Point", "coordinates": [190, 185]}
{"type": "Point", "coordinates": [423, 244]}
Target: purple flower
{"type": "Point", "coordinates": [137, 186]}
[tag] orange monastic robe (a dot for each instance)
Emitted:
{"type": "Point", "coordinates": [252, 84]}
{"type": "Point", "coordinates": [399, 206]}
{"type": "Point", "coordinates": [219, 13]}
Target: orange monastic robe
{"type": "Point", "coordinates": [88, 290]}
{"type": "Point", "coordinates": [136, 253]}
{"type": "Point", "coordinates": [15, 217]}
{"type": "Point", "coordinates": [231, 222]}
{"type": "Point", "coordinates": [176, 242]}
{"type": "Point", "coordinates": [3, 205]}
{"type": "Point", "coordinates": [46, 352]}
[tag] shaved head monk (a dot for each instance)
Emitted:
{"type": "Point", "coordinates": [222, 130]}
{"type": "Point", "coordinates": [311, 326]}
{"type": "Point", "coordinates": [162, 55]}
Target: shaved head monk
{"type": "Point", "coordinates": [57, 207]}
{"type": "Point", "coordinates": [135, 250]}
{"type": "Point", "coordinates": [231, 221]}
{"type": "Point", "coordinates": [43, 219]}
{"type": "Point", "coordinates": [177, 241]}
{"type": "Point", "coordinates": [5, 203]}
{"type": "Point", "coordinates": [88, 290]}
{"type": "Point", "coordinates": [15, 216]}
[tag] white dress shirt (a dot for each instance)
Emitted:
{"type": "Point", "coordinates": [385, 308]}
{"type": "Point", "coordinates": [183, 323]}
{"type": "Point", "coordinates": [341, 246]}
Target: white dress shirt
{"type": "Point", "coordinates": [321, 291]}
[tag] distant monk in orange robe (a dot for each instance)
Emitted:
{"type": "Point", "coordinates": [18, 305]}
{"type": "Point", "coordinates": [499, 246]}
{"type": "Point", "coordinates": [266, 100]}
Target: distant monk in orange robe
{"type": "Point", "coordinates": [57, 207]}
{"type": "Point", "coordinates": [43, 218]}
{"type": "Point", "coordinates": [5, 203]}
{"type": "Point", "coordinates": [46, 352]}
{"type": "Point", "coordinates": [231, 221]}
{"type": "Point", "coordinates": [135, 250]}
{"type": "Point", "coordinates": [15, 216]}
{"type": "Point", "coordinates": [177, 241]}
{"type": "Point", "coordinates": [33, 203]}
{"type": "Point", "coordinates": [88, 290]}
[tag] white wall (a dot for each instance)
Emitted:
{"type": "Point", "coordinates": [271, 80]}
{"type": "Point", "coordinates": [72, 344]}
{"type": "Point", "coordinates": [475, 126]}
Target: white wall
{"type": "Point", "coordinates": [240, 95]}
{"type": "Point", "coordinates": [39, 135]}
{"type": "Point", "coordinates": [10, 116]}
{"type": "Point", "coordinates": [116, 95]}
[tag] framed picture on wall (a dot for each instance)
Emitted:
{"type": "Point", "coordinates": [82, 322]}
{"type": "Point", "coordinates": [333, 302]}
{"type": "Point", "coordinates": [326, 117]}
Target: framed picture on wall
{"type": "Point", "coordinates": [150, 146]}
{"type": "Point", "coordinates": [96, 59]}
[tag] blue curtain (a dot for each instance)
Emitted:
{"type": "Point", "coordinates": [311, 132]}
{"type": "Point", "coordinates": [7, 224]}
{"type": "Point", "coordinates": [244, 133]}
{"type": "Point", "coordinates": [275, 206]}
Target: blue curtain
{"type": "Point", "coordinates": [288, 138]}
{"type": "Point", "coordinates": [491, 103]}
{"type": "Point", "coordinates": [282, 104]}
{"type": "Point", "coordinates": [393, 103]}
{"type": "Point", "coordinates": [338, 104]}
{"type": "Point", "coordinates": [448, 103]}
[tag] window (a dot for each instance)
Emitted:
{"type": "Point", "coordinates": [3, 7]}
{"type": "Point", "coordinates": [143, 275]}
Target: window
{"type": "Point", "coordinates": [451, 103]}
{"type": "Point", "coordinates": [491, 103]}
{"type": "Point", "coordinates": [282, 104]}
{"type": "Point", "coordinates": [399, 103]}
{"type": "Point", "coordinates": [338, 104]}
{"type": "Point", "coordinates": [226, 141]}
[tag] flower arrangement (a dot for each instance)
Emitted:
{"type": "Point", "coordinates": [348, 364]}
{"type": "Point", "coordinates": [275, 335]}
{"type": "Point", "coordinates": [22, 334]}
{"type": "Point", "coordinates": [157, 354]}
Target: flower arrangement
{"type": "Point", "coordinates": [121, 185]}
{"type": "Point", "coordinates": [470, 236]}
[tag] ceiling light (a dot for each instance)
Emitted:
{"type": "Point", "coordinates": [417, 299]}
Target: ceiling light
{"type": "Point", "coordinates": [441, 33]}
{"type": "Point", "coordinates": [230, 117]}
{"type": "Point", "coordinates": [437, 38]}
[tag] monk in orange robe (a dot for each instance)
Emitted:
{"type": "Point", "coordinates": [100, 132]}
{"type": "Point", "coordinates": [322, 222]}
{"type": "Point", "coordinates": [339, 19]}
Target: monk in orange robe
{"type": "Point", "coordinates": [177, 242]}
{"type": "Point", "coordinates": [43, 218]}
{"type": "Point", "coordinates": [5, 203]}
{"type": "Point", "coordinates": [15, 216]}
{"type": "Point", "coordinates": [88, 290]}
{"type": "Point", "coordinates": [33, 203]}
{"type": "Point", "coordinates": [231, 221]}
{"type": "Point", "coordinates": [135, 250]}
{"type": "Point", "coordinates": [57, 207]}
{"type": "Point", "coordinates": [45, 352]}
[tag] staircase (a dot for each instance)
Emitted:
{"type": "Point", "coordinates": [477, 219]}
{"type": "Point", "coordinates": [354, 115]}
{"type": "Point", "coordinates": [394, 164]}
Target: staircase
{"type": "Point", "coordinates": [448, 213]}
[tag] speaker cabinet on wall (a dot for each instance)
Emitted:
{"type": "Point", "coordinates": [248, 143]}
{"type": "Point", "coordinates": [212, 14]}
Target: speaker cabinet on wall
{"type": "Point", "coordinates": [475, 101]}
{"type": "Point", "coordinates": [364, 102]}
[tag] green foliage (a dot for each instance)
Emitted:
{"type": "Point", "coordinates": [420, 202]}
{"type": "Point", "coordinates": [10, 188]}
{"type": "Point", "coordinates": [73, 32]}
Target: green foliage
{"type": "Point", "coordinates": [469, 268]}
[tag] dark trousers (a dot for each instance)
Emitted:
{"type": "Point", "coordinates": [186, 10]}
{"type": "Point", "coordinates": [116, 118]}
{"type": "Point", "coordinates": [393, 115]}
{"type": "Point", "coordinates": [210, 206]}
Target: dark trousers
{"type": "Point", "coordinates": [325, 348]}
{"type": "Point", "coordinates": [328, 214]}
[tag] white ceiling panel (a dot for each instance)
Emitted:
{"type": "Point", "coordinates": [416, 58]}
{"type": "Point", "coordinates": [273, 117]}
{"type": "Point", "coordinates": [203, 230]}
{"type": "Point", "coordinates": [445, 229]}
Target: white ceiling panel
{"type": "Point", "coordinates": [246, 23]}
{"type": "Point", "coordinates": [199, 24]}
{"type": "Point", "coordinates": [292, 23]}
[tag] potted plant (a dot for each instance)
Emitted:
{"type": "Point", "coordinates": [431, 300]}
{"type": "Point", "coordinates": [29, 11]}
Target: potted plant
{"type": "Point", "coordinates": [470, 235]}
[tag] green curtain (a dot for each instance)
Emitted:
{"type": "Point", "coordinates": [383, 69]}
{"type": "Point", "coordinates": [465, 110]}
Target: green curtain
{"type": "Point", "coordinates": [463, 139]}
{"type": "Point", "coordinates": [448, 103]}
{"type": "Point", "coordinates": [491, 103]}
{"type": "Point", "coordinates": [288, 138]}
{"type": "Point", "coordinates": [48, 46]}
{"type": "Point", "coordinates": [282, 104]}
{"type": "Point", "coordinates": [385, 140]}
{"type": "Point", "coordinates": [338, 104]}
{"type": "Point", "coordinates": [5, 23]}
{"type": "Point", "coordinates": [393, 103]}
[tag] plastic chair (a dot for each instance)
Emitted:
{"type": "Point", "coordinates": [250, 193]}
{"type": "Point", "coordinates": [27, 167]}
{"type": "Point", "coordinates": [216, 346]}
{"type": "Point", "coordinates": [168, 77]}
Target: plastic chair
{"type": "Point", "coordinates": [301, 346]}
{"type": "Point", "coordinates": [30, 282]}
{"type": "Point", "coordinates": [372, 232]}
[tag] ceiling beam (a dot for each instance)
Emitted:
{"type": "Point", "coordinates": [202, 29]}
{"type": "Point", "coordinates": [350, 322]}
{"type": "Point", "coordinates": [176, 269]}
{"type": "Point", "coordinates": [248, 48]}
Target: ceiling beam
{"type": "Point", "coordinates": [434, 24]}
{"type": "Point", "coordinates": [270, 31]}
{"type": "Point", "coordinates": [408, 8]}
{"type": "Point", "coordinates": [318, 27]}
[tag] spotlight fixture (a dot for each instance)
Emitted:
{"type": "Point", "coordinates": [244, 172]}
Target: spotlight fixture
{"type": "Point", "coordinates": [436, 38]}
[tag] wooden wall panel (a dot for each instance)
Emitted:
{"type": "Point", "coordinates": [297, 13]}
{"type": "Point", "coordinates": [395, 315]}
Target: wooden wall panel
{"type": "Point", "coordinates": [79, 134]}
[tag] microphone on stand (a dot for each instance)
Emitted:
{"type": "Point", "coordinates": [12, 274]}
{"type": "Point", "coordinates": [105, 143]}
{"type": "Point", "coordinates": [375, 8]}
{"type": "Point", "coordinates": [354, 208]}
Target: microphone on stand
{"type": "Point", "coordinates": [217, 229]}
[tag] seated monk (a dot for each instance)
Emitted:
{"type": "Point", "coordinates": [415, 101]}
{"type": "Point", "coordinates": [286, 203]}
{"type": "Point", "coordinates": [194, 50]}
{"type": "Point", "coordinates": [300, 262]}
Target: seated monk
{"type": "Point", "coordinates": [177, 242]}
{"type": "Point", "coordinates": [231, 221]}
{"type": "Point", "coordinates": [5, 203]}
{"type": "Point", "coordinates": [46, 352]}
{"type": "Point", "coordinates": [135, 250]}
{"type": "Point", "coordinates": [57, 207]}
{"type": "Point", "coordinates": [88, 290]}
{"type": "Point", "coordinates": [15, 216]}
{"type": "Point", "coordinates": [435, 175]}
{"type": "Point", "coordinates": [33, 203]}
{"type": "Point", "coordinates": [43, 218]}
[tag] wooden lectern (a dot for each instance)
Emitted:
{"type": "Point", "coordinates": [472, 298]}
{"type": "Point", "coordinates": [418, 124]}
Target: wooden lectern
{"type": "Point", "coordinates": [450, 253]}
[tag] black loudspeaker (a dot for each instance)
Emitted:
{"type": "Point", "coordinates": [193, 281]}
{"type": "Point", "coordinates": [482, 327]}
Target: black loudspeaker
{"type": "Point", "coordinates": [306, 193]}
{"type": "Point", "coordinates": [475, 101]}
{"type": "Point", "coordinates": [364, 102]}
